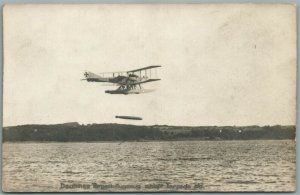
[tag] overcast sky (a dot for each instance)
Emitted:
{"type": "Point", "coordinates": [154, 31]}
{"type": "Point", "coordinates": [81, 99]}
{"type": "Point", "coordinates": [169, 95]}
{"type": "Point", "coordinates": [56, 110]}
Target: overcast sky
{"type": "Point", "coordinates": [221, 64]}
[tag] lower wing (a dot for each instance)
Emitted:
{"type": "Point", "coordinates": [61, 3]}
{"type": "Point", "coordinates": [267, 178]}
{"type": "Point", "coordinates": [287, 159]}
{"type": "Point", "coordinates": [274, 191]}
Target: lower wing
{"type": "Point", "coordinates": [146, 81]}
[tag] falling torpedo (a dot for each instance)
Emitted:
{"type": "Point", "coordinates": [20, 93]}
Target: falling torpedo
{"type": "Point", "coordinates": [130, 117]}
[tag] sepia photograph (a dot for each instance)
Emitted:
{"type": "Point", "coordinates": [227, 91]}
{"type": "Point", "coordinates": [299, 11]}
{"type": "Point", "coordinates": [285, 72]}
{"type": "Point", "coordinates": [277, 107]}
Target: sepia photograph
{"type": "Point", "coordinates": [149, 98]}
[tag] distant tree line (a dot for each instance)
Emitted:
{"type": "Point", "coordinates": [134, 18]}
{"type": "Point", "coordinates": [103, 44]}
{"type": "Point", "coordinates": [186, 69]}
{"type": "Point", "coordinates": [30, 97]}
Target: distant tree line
{"type": "Point", "coordinates": [73, 132]}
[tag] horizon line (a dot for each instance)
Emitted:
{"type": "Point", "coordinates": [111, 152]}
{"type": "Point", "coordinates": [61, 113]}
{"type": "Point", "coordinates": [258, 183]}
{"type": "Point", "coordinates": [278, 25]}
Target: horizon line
{"type": "Point", "coordinates": [85, 124]}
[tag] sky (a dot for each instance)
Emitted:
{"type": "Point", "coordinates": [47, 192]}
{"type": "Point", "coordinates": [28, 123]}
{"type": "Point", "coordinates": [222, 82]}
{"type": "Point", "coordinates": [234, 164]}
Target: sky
{"type": "Point", "coordinates": [221, 64]}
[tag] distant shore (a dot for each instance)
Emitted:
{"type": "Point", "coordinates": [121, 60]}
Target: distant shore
{"type": "Point", "coordinates": [74, 132]}
{"type": "Point", "coordinates": [131, 141]}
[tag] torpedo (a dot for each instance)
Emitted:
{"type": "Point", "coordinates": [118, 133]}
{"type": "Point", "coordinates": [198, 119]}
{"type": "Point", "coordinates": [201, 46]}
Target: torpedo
{"type": "Point", "coordinates": [130, 117]}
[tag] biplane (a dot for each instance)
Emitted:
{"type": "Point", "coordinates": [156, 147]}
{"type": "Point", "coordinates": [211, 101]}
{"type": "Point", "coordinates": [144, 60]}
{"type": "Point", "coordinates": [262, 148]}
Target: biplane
{"type": "Point", "coordinates": [129, 82]}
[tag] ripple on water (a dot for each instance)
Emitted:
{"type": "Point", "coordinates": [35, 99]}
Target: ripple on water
{"type": "Point", "coordinates": [217, 165]}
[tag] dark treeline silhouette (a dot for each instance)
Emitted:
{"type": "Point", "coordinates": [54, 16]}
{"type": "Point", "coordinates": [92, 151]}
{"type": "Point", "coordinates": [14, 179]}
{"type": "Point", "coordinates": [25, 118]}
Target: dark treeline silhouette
{"type": "Point", "coordinates": [74, 132]}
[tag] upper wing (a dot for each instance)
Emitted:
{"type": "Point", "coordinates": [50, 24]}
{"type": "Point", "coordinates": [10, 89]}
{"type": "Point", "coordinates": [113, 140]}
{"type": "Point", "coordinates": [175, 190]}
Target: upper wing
{"type": "Point", "coordinates": [145, 68]}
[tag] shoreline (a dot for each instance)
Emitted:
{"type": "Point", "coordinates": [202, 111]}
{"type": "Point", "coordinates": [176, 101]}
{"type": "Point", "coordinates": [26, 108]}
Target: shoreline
{"type": "Point", "coordinates": [131, 141]}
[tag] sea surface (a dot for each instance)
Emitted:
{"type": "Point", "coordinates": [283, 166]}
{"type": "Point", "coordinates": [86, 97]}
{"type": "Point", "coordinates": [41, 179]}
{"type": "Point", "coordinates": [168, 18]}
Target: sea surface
{"type": "Point", "coordinates": [264, 165]}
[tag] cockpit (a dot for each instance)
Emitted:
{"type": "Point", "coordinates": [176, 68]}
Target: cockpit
{"type": "Point", "coordinates": [133, 75]}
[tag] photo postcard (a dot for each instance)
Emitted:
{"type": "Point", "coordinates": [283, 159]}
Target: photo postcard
{"type": "Point", "coordinates": [149, 98]}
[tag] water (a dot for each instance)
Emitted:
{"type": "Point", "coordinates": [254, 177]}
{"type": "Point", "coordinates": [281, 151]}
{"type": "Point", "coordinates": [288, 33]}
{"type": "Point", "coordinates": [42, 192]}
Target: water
{"type": "Point", "coordinates": [150, 166]}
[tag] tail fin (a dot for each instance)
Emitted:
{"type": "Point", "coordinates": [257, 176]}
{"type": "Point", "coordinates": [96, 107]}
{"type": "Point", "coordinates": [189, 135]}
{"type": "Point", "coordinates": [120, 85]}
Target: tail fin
{"type": "Point", "coordinates": [89, 76]}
